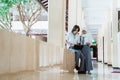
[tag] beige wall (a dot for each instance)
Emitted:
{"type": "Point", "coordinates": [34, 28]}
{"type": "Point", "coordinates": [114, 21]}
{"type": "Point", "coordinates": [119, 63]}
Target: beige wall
{"type": "Point", "coordinates": [17, 53]}
{"type": "Point", "coordinates": [20, 53]}
{"type": "Point", "coordinates": [50, 55]}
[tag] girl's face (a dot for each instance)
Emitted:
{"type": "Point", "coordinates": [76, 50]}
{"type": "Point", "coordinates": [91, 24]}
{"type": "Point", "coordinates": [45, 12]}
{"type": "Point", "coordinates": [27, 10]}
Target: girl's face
{"type": "Point", "coordinates": [76, 31]}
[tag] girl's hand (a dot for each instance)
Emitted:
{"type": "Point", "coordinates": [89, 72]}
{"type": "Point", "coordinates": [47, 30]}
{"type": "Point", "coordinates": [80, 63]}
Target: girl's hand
{"type": "Point", "coordinates": [87, 43]}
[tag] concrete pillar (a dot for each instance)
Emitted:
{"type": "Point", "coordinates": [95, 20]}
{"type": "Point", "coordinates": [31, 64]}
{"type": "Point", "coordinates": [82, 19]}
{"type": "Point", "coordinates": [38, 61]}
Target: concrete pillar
{"type": "Point", "coordinates": [115, 56]}
{"type": "Point", "coordinates": [100, 44]}
{"type": "Point", "coordinates": [75, 14]}
{"type": "Point", "coordinates": [105, 32]}
{"type": "Point", "coordinates": [80, 14]}
{"type": "Point", "coordinates": [118, 34]}
{"type": "Point", "coordinates": [105, 40]}
{"type": "Point", "coordinates": [107, 48]}
{"type": "Point", "coordinates": [109, 55]}
{"type": "Point", "coordinates": [56, 22]}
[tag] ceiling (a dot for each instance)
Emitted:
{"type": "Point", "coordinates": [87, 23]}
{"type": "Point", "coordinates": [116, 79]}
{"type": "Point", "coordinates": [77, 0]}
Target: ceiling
{"type": "Point", "coordinates": [94, 14]}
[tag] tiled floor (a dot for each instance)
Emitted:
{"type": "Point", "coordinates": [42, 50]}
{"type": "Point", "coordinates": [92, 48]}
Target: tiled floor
{"type": "Point", "coordinates": [100, 72]}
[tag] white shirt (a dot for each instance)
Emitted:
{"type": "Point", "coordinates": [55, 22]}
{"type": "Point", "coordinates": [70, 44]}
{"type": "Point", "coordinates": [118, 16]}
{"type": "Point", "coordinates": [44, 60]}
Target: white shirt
{"type": "Point", "coordinates": [87, 38]}
{"type": "Point", "coordinates": [73, 39]}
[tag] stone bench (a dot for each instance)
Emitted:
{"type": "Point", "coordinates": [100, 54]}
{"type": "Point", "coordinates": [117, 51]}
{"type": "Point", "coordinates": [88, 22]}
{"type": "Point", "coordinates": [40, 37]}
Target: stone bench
{"type": "Point", "coordinates": [68, 60]}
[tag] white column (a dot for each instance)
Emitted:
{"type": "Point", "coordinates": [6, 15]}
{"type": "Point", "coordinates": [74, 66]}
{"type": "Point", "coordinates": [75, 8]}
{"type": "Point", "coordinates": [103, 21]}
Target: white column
{"type": "Point", "coordinates": [80, 14]}
{"type": "Point", "coordinates": [114, 35]}
{"type": "Point", "coordinates": [105, 32]}
{"type": "Point", "coordinates": [56, 22]}
{"type": "Point", "coordinates": [72, 14]}
{"type": "Point", "coordinates": [107, 56]}
{"type": "Point", "coordinates": [75, 14]}
{"type": "Point", "coordinates": [100, 44]}
{"type": "Point", "coordinates": [105, 41]}
{"type": "Point", "coordinates": [118, 35]}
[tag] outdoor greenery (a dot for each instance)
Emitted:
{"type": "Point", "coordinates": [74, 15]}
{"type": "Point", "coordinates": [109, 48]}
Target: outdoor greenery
{"type": "Point", "coordinates": [28, 11]}
{"type": "Point", "coordinates": [5, 15]}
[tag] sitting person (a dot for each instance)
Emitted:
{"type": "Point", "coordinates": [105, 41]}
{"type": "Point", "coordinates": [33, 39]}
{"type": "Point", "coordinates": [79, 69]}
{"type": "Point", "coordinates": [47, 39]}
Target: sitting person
{"type": "Point", "coordinates": [73, 39]}
{"type": "Point", "coordinates": [86, 41]}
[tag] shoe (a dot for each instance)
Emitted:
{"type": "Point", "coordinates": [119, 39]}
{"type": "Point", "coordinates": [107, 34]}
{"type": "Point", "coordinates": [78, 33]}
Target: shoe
{"type": "Point", "coordinates": [77, 68]}
{"type": "Point", "coordinates": [89, 72]}
{"type": "Point", "coordinates": [81, 72]}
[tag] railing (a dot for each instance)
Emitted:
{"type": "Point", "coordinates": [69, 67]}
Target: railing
{"type": "Point", "coordinates": [44, 4]}
{"type": "Point", "coordinates": [21, 53]}
{"type": "Point", "coordinates": [17, 52]}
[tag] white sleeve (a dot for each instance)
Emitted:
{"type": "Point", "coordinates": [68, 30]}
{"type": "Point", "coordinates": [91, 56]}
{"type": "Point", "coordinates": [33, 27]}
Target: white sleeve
{"type": "Point", "coordinates": [67, 37]}
{"type": "Point", "coordinates": [78, 39]}
{"type": "Point", "coordinates": [89, 38]}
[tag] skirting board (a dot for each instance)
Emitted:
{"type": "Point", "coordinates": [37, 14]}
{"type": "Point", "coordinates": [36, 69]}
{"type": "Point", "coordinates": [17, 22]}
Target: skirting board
{"type": "Point", "coordinates": [116, 67]}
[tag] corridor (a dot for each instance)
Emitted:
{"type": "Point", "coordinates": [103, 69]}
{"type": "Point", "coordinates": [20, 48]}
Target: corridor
{"type": "Point", "coordinates": [33, 35]}
{"type": "Point", "coordinates": [100, 72]}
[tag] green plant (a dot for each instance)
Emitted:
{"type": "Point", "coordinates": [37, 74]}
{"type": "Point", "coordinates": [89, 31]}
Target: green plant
{"type": "Point", "coordinates": [28, 10]}
{"type": "Point", "coordinates": [28, 13]}
{"type": "Point", "coordinates": [5, 15]}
